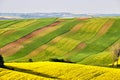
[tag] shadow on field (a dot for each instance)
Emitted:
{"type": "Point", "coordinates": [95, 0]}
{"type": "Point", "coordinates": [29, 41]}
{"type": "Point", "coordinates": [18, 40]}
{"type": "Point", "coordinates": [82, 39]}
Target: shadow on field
{"type": "Point", "coordinates": [60, 60]}
{"type": "Point", "coordinates": [30, 72]}
{"type": "Point", "coordinates": [118, 65]}
{"type": "Point", "coordinates": [115, 66]}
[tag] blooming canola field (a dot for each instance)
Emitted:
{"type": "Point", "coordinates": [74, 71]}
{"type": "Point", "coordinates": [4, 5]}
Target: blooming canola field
{"type": "Point", "coordinates": [57, 71]}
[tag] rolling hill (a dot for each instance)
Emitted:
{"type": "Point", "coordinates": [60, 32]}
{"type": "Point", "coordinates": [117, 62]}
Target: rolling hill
{"type": "Point", "coordinates": [78, 40]}
{"type": "Point", "coordinates": [57, 71]}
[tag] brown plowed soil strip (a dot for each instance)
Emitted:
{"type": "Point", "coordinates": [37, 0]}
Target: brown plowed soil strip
{"type": "Point", "coordinates": [38, 50]}
{"type": "Point", "coordinates": [80, 46]}
{"type": "Point", "coordinates": [83, 18]}
{"type": "Point", "coordinates": [105, 28]}
{"type": "Point", "coordinates": [13, 47]}
{"type": "Point", "coordinates": [76, 28]}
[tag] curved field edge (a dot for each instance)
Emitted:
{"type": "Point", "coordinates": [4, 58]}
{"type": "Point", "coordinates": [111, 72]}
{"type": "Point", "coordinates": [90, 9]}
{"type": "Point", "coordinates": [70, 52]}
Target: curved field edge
{"type": "Point", "coordinates": [62, 71]}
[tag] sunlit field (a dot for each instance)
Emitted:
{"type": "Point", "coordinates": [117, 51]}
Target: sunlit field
{"type": "Point", "coordinates": [59, 48]}
{"type": "Point", "coordinates": [57, 71]}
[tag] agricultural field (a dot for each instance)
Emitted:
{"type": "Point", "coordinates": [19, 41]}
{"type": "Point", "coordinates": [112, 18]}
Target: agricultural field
{"type": "Point", "coordinates": [82, 44]}
{"type": "Point", "coordinates": [86, 41]}
{"type": "Point", "coordinates": [57, 71]}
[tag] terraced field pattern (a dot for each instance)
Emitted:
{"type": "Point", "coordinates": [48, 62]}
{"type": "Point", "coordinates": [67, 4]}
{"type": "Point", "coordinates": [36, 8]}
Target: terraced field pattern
{"type": "Point", "coordinates": [88, 41]}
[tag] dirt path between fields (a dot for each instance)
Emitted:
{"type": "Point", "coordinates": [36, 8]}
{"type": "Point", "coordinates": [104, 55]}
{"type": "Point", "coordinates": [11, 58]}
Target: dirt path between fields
{"type": "Point", "coordinates": [15, 46]}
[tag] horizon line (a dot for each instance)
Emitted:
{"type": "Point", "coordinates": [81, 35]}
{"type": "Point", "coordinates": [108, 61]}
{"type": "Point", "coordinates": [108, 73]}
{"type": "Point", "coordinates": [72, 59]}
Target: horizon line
{"type": "Point", "coordinates": [58, 12]}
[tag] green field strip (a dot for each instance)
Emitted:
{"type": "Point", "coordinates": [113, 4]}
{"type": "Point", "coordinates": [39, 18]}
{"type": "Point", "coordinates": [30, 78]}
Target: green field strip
{"type": "Point", "coordinates": [11, 28]}
{"type": "Point", "coordinates": [2, 22]}
{"type": "Point", "coordinates": [101, 43]}
{"type": "Point", "coordinates": [24, 31]}
{"type": "Point", "coordinates": [18, 24]}
{"type": "Point", "coordinates": [8, 24]}
{"type": "Point", "coordinates": [15, 25]}
{"type": "Point", "coordinates": [5, 22]}
{"type": "Point", "coordinates": [101, 59]}
{"type": "Point", "coordinates": [3, 27]}
{"type": "Point", "coordinates": [39, 42]}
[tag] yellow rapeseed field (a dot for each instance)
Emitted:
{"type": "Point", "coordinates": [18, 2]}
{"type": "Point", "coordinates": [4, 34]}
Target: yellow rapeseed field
{"type": "Point", "coordinates": [57, 71]}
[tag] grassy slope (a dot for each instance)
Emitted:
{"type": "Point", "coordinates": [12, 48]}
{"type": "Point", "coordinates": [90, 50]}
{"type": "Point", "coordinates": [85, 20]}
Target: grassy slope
{"type": "Point", "coordinates": [56, 71]}
{"type": "Point", "coordinates": [94, 53]}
